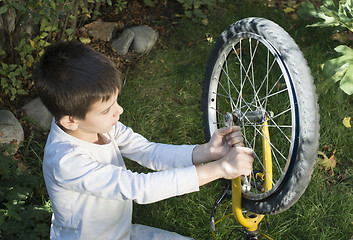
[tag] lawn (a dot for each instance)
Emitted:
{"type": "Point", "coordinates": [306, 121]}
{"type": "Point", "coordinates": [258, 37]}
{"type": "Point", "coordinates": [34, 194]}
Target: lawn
{"type": "Point", "coordinates": [162, 101]}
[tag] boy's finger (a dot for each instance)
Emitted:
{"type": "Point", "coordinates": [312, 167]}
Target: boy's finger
{"type": "Point", "coordinates": [246, 150]}
{"type": "Point", "coordinates": [224, 131]}
{"type": "Point", "coordinates": [227, 130]}
{"type": "Point", "coordinates": [239, 144]}
{"type": "Point", "coordinates": [235, 140]}
{"type": "Point", "coordinates": [234, 134]}
{"type": "Point", "coordinates": [236, 128]}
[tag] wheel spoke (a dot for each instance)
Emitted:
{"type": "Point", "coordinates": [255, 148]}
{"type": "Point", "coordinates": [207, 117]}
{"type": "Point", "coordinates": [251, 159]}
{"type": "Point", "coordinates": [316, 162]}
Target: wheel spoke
{"type": "Point", "coordinates": [260, 162]}
{"type": "Point", "coordinates": [269, 142]}
{"type": "Point", "coordinates": [246, 71]}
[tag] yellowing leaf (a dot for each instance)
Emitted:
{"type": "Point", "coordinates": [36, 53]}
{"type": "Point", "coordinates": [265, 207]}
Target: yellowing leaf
{"type": "Point", "coordinates": [294, 16]}
{"type": "Point", "coordinates": [347, 122]}
{"type": "Point", "coordinates": [41, 53]}
{"type": "Point", "coordinates": [327, 163]}
{"type": "Point", "coordinates": [205, 21]}
{"type": "Point", "coordinates": [340, 72]}
{"type": "Point", "coordinates": [85, 40]}
{"type": "Point", "coordinates": [32, 43]}
{"type": "Point", "coordinates": [288, 10]}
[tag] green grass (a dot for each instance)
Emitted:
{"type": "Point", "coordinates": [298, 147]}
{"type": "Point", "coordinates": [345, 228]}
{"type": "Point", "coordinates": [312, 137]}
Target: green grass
{"type": "Point", "coordinates": [162, 101]}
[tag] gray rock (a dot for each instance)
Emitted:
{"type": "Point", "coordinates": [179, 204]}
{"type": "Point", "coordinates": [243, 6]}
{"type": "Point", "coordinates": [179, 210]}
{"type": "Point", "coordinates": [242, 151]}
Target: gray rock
{"type": "Point", "coordinates": [36, 110]}
{"type": "Point", "coordinates": [11, 22]}
{"type": "Point", "coordinates": [144, 40]}
{"type": "Point", "coordinates": [123, 42]}
{"type": "Point", "coordinates": [102, 30]}
{"type": "Point", "coordinates": [10, 128]}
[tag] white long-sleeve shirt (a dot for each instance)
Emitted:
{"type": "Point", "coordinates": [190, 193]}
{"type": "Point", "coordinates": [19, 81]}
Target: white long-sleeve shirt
{"type": "Point", "coordinates": [91, 190]}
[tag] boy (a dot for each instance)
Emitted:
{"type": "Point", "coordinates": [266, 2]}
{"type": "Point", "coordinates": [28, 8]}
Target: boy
{"type": "Point", "coordinates": [89, 186]}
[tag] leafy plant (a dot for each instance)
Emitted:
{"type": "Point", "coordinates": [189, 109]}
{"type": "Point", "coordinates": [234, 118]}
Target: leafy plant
{"type": "Point", "coordinates": [337, 14]}
{"type": "Point", "coordinates": [54, 20]}
{"type": "Point", "coordinates": [195, 9]}
{"type": "Point", "coordinates": [341, 68]}
{"type": "Point", "coordinates": [11, 79]}
{"type": "Point", "coordinates": [120, 6]}
{"type": "Point", "coordinates": [24, 205]}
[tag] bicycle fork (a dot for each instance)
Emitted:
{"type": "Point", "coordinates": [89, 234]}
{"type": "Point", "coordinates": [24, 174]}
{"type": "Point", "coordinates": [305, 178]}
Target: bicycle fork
{"type": "Point", "coordinates": [251, 221]}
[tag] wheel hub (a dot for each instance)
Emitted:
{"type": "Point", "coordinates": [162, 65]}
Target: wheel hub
{"type": "Point", "coordinates": [238, 117]}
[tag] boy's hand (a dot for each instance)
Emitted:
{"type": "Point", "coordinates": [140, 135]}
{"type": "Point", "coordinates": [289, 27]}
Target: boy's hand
{"type": "Point", "coordinates": [223, 140]}
{"type": "Point", "coordinates": [237, 162]}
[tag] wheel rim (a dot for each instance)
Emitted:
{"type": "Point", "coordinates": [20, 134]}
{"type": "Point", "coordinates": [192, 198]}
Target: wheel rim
{"type": "Point", "coordinates": [251, 77]}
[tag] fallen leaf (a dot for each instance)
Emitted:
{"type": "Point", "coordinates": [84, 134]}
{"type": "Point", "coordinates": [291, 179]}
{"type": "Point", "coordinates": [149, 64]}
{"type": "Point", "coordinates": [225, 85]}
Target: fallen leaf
{"type": "Point", "coordinates": [205, 21]}
{"type": "Point", "coordinates": [85, 40]}
{"type": "Point", "coordinates": [327, 163]}
{"type": "Point", "coordinates": [327, 147]}
{"type": "Point", "coordinates": [347, 122]}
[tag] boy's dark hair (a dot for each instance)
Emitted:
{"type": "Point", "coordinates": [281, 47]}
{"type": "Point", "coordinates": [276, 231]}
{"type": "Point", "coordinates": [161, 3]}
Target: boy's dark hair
{"type": "Point", "coordinates": [71, 76]}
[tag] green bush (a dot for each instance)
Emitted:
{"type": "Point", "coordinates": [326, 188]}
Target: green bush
{"type": "Point", "coordinates": [339, 16]}
{"type": "Point", "coordinates": [195, 9]}
{"type": "Point", "coordinates": [11, 80]}
{"type": "Point", "coordinates": [25, 210]}
{"type": "Point", "coordinates": [55, 20]}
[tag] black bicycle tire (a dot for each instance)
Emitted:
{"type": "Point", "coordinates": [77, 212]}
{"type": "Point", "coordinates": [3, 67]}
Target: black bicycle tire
{"type": "Point", "coordinates": [301, 168]}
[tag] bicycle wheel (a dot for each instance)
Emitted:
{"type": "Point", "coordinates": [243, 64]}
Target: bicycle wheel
{"type": "Point", "coordinates": [256, 74]}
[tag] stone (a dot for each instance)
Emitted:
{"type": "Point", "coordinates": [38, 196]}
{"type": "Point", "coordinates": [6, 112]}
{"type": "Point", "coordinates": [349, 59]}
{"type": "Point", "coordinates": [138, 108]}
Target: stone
{"type": "Point", "coordinates": [144, 40]}
{"type": "Point", "coordinates": [11, 22]}
{"type": "Point", "coordinates": [36, 110]}
{"type": "Point", "coordinates": [123, 42]}
{"type": "Point", "coordinates": [30, 28]}
{"type": "Point", "coordinates": [11, 130]}
{"type": "Point", "coordinates": [102, 30]}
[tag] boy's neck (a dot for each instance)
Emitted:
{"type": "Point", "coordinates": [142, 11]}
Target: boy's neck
{"type": "Point", "coordinates": [95, 138]}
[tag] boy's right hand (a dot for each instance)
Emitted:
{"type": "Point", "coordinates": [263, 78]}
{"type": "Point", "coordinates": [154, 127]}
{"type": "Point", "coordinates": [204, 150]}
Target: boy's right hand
{"type": "Point", "coordinates": [237, 162]}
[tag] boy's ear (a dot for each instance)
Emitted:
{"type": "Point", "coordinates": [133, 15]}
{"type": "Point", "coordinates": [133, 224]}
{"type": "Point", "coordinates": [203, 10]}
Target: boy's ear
{"type": "Point", "coordinates": [68, 123]}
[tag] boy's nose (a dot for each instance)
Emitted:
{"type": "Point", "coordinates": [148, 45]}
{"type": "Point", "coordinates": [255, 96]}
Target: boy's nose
{"type": "Point", "coordinates": [118, 110]}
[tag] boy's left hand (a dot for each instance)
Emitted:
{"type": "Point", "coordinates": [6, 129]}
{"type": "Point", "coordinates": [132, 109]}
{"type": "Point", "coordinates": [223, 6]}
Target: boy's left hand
{"type": "Point", "coordinates": [223, 140]}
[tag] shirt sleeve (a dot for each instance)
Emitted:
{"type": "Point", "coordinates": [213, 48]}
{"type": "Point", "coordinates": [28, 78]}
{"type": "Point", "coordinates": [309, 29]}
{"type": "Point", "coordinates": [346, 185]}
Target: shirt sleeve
{"type": "Point", "coordinates": [114, 182]}
{"type": "Point", "coordinates": [155, 156]}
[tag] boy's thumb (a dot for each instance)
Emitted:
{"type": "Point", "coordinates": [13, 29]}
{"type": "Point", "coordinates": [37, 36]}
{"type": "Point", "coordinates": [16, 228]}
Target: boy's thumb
{"type": "Point", "coordinates": [247, 150]}
{"type": "Point", "coordinates": [224, 131]}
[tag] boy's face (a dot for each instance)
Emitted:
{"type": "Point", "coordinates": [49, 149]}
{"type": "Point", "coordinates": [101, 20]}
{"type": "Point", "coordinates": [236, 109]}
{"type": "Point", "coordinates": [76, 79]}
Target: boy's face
{"type": "Point", "coordinates": [101, 117]}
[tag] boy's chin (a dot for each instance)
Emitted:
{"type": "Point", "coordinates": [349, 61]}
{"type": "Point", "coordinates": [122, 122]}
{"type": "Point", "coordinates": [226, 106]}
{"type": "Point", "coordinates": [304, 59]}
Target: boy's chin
{"type": "Point", "coordinates": [110, 128]}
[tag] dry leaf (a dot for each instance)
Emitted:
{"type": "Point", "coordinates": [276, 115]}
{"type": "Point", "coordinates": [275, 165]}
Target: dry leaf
{"type": "Point", "coordinates": [347, 122]}
{"type": "Point", "coordinates": [327, 163]}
